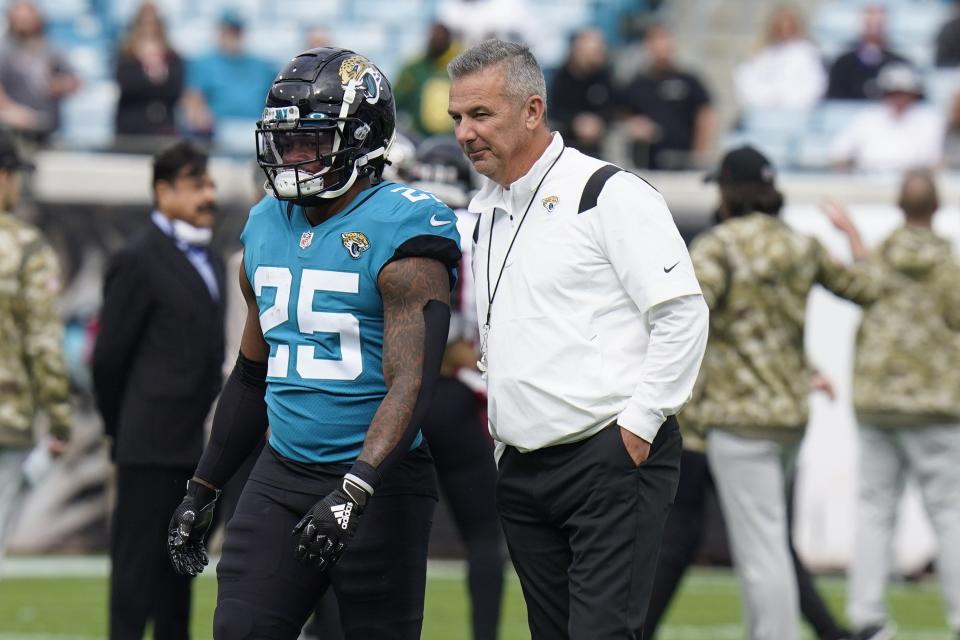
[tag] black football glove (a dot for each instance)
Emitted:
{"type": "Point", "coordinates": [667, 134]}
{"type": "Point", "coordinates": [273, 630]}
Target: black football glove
{"type": "Point", "coordinates": [323, 534]}
{"type": "Point", "coordinates": [188, 529]}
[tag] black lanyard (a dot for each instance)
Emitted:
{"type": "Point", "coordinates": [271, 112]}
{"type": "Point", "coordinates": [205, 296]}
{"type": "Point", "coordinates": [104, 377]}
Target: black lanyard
{"type": "Point", "coordinates": [491, 295]}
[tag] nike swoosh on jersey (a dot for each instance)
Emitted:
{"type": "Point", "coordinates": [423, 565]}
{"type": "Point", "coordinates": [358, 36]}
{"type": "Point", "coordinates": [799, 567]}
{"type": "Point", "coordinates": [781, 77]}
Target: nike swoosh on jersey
{"type": "Point", "coordinates": [666, 270]}
{"type": "Point", "coordinates": [434, 222]}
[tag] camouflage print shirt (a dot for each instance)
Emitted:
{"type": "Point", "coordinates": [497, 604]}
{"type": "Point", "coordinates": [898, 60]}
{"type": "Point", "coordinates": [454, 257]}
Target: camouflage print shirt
{"type": "Point", "coordinates": [32, 368]}
{"type": "Point", "coordinates": [756, 274]}
{"type": "Point", "coordinates": [908, 345]}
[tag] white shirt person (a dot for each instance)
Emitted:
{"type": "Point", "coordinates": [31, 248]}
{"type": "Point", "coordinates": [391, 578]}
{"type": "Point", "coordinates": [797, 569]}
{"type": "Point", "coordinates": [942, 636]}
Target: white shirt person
{"type": "Point", "coordinates": [593, 328]}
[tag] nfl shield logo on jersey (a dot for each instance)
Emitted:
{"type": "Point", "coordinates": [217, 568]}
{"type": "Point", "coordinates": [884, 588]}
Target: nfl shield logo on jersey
{"type": "Point", "coordinates": [550, 203]}
{"type": "Point", "coordinates": [306, 239]}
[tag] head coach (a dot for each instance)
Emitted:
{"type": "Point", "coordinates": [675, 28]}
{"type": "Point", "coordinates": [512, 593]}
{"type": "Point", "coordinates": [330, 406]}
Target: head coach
{"type": "Point", "coordinates": [593, 330]}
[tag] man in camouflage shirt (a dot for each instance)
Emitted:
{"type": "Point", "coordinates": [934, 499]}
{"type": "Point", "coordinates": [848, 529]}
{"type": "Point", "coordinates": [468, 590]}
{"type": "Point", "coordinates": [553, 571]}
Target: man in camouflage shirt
{"type": "Point", "coordinates": [751, 395]}
{"type": "Point", "coordinates": [32, 367]}
{"type": "Point", "coordinates": [906, 393]}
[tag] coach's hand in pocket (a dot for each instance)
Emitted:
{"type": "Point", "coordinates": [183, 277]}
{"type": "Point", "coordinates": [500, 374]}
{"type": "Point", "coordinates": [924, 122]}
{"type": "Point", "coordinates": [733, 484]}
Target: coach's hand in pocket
{"type": "Point", "coordinates": [323, 534]}
{"type": "Point", "coordinates": [188, 529]}
{"type": "Point", "coordinates": [637, 447]}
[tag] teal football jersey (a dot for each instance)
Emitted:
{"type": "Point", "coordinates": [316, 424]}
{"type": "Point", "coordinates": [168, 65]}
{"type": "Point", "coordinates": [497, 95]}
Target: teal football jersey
{"type": "Point", "coordinates": [321, 311]}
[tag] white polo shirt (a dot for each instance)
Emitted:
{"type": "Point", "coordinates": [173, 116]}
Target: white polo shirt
{"type": "Point", "coordinates": [598, 315]}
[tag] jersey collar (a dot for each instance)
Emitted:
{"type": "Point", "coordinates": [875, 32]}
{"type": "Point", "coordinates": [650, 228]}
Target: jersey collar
{"type": "Point", "coordinates": [492, 195]}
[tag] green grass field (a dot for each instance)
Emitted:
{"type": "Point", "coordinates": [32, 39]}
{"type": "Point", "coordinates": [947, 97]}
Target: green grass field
{"type": "Point", "coordinates": [59, 601]}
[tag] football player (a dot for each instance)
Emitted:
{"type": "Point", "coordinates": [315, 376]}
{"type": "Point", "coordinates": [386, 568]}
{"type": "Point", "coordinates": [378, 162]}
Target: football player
{"type": "Point", "coordinates": [347, 279]}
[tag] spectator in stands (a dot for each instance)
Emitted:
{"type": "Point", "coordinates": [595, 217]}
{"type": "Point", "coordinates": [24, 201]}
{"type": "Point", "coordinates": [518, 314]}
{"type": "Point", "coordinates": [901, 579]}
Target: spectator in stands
{"type": "Point", "coordinates": [422, 86]}
{"type": "Point", "coordinates": [581, 93]}
{"type": "Point", "coordinates": [853, 74]}
{"type": "Point", "coordinates": [34, 76]}
{"type": "Point", "coordinates": [668, 115]}
{"type": "Point", "coordinates": [317, 36]}
{"type": "Point", "coordinates": [150, 75]}
{"type": "Point", "coordinates": [227, 83]}
{"type": "Point", "coordinates": [896, 134]}
{"type": "Point", "coordinates": [787, 72]}
{"type": "Point", "coordinates": [473, 21]}
{"type": "Point", "coordinates": [948, 40]}
{"type": "Point", "coordinates": [906, 393]}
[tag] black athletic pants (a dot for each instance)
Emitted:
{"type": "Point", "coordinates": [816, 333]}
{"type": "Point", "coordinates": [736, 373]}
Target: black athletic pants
{"type": "Point", "coordinates": [463, 454]}
{"type": "Point", "coordinates": [143, 584]}
{"type": "Point", "coordinates": [583, 526]}
{"type": "Point", "coordinates": [266, 593]}
{"type": "Point", "coordinates": [681, 541]}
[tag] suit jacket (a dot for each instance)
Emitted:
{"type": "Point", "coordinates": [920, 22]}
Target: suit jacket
{"type": "Point", "coordinates": [157, 364]}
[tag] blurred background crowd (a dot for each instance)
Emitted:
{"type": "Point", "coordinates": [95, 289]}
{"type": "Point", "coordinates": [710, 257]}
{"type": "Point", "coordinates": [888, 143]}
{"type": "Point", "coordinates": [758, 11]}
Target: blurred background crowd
{"type": "Point", "coordinates": [657, 84]}
{"type": "Point", "coordinates": [842, 95]}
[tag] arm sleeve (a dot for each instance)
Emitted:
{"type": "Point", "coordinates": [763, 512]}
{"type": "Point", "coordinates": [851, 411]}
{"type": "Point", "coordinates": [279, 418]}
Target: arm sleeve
{"type": "Point", "coordinates": [436, 320]}
{"type": "Point", "coordinates": [678, 338]}
{"type": "Point", "coordinates": [635, 231]}
{"type": "Point", "coordinates": [126, 307]}
{"type": "Point", "coordinates": [43, 337]}
{"type": "Point", "coordinates": [239, 423]}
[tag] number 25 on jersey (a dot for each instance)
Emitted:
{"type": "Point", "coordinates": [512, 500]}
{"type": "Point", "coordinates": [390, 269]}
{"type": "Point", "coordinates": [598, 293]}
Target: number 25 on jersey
{"type": "Point", "coordinates": [350, 364]}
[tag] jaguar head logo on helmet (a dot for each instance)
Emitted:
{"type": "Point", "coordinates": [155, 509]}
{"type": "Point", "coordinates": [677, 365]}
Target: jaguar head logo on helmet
{"type": "Point", "coordinates": [329, 120]}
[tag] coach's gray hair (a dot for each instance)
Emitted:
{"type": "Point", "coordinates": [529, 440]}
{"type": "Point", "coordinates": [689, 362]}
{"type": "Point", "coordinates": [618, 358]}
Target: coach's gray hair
{"type": "Point", "coordinates": [524, 77]}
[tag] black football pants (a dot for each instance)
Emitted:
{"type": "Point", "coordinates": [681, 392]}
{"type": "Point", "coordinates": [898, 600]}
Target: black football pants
{"type": "Point", "coordinates": [583, 526]}
{"type": "Point", "coordinates": [266, 593]}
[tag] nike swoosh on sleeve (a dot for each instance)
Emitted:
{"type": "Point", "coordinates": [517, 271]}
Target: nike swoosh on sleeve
{"type": "Point", "coordinates": [668, 270]}
{"type": "Point", "coordinates": [434, 222]}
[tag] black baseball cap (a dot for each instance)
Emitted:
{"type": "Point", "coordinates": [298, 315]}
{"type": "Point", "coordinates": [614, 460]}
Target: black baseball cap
{"type": "Point", "coordinates": [743, 165]}
{"type": "Point", "coordinates": [10, 157]}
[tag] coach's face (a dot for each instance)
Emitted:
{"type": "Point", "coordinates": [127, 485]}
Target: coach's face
{"type": "Point", "coordinates": [492, 127]}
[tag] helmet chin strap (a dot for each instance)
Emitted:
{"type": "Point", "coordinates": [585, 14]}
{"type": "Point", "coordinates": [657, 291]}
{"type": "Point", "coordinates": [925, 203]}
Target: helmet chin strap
{"type": "Point", "coordinates": [362, 161]}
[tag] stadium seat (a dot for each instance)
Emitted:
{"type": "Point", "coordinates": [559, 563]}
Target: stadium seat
{"type": "Point", "coordinates": [192, 37]}
{"type": "Point", "coordinates": [307, 12]}
{"type": "Point", "coordinates": [388, 11]}
{"type": "Point", "coordinates": [831, 116]}
{"type": "Point", "coordinates": [90, 62]}
{"type": "Point", "coordinates": [942, 85]}
{"type": "Point", "coordinates": [813, 151]}
{"type": "Point", "coordinates": [780, 151]}
{"type": "Point", "coordinates": [88, 116]}
{"type": "Point", "coordinates": [277, 41]}
{"type": "Point", "coordinates": [235, 137]}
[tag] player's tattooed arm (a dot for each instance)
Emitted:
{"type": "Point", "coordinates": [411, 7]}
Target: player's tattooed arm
{"type": "Point", "coordinates": [409, 341]}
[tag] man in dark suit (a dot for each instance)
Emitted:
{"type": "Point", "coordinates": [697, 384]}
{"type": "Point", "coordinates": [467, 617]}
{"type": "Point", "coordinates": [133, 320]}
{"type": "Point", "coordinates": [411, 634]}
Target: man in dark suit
{"type": "Point", "coordinates": [157, 369]}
